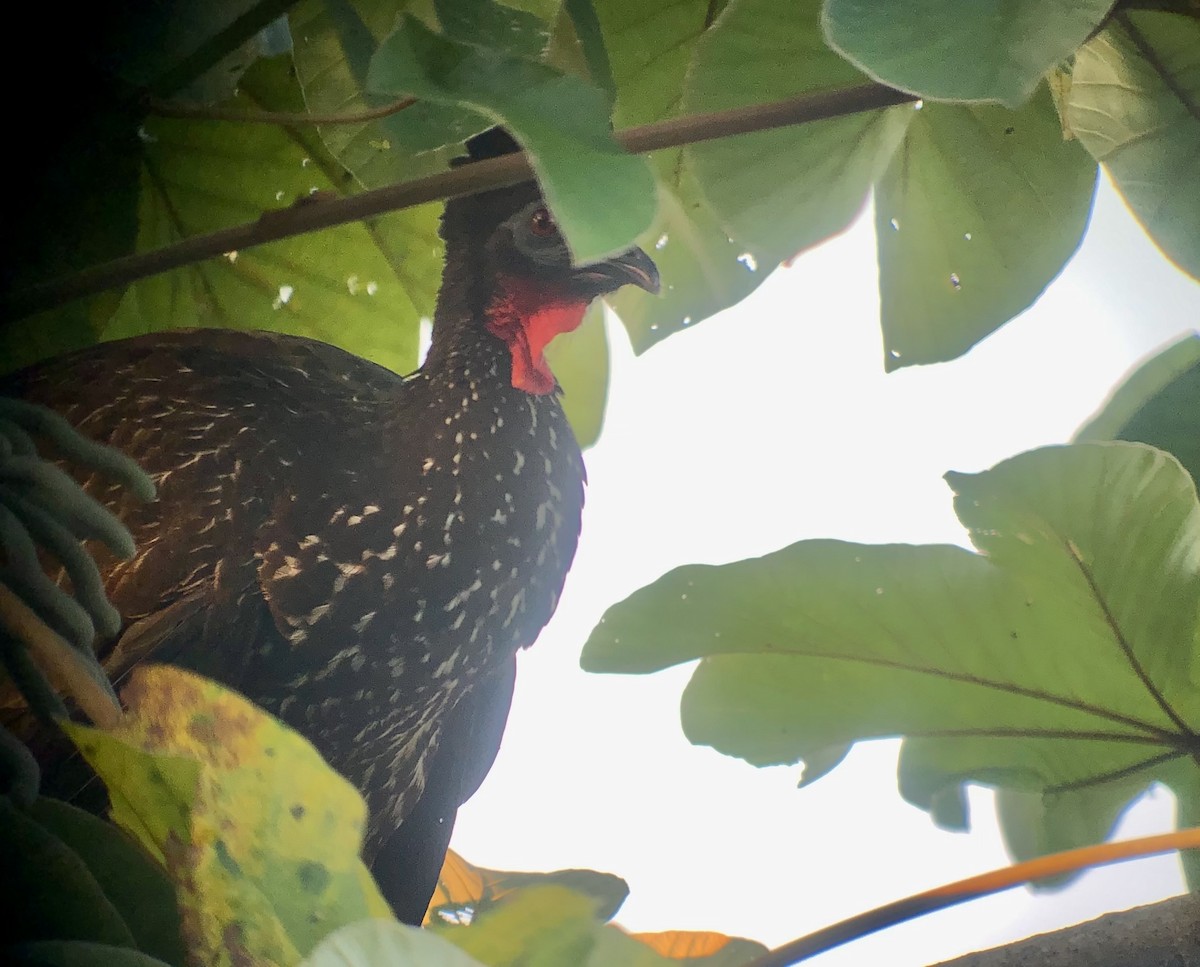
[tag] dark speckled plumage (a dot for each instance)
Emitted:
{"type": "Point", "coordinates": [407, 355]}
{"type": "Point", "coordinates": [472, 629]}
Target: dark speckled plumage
{"type": "Point", "coordinates": [363, 554]}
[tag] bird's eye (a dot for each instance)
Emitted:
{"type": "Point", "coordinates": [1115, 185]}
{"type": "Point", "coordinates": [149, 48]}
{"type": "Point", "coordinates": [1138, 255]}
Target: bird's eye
{"type": "Point", "coordinates": [541, 223]}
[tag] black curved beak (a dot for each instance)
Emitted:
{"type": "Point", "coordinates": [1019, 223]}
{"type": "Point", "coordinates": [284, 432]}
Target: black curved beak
{"type": "Point", "coordinates": [632, 267]}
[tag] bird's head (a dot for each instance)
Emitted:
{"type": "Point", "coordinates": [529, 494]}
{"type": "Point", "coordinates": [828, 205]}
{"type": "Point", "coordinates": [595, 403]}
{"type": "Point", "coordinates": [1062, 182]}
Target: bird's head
{"type": "Point", "coordinates": [505, 249]}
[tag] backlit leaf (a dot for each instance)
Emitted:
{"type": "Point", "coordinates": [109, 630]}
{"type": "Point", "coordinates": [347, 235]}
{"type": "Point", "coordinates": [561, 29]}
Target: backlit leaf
{"type": "Point", "coordinates": [1059, 656]}
{"type": "Point", "coordinates": [650, 46]}
{"type": "Point", "coordinates": [977, 213]}
{"type": "Point", "coordinates": [1159, 404]}
{"type": "Point", "coordinates": [787, 189]}
{"type": "Point", "coordinates": [338, 285]}
{"type": "Point", "coordinates": [1132, 104]}
{"type": "Point", "coordinates": [987, 50]}
{"type": "Point", "coordinates": [560, 120]}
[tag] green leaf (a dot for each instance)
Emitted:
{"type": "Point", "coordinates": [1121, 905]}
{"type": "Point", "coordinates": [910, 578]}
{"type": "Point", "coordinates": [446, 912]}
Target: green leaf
{"type": "Point", "coordinates": [586, 24]}
{"type": "Point", "coordinates": [788, 189]}
{"type": "Point", "coordinates": [979, 210]}
{"type": "Point", "coordinates": [76, 953]}
{"type": "Point", "coordinates": [47, 892]}
{"type": "Point", "coordinates": [1040, 822]}
{"type": "Point", "coordinates": [702, 269]}
{"type": "Point", "coordinates": [650, 45]}
{"type": "Point", "coordinates": [988, 50]}
{"type": "Point", "coordinates": [547, 926]}
{"type": "Point", "coordinates": [137, 887]}
{"type": "Point", "coordinates": [579, 360]}
{"type": "Point", "coordinates": [1159, 404]}
{"type": "Point", "coordinates": [370, 943]}
{"type": "Point", "coordinates": [1139, 388]}
{"type": "Point", "coordinates": [338, 285]}
{"type": "Point", "coordinates": [489, 24]}
{"type": "Point", "coordinates": [263, 844]}
{"type": "Point", "coordinates": [334, 43]}
{"type": "Point", "coordinates": [1060, 656]}
{"type": "Point", "coordinates": [1133, 104]}
{"type": "Point", "coordinates": [560, 120]}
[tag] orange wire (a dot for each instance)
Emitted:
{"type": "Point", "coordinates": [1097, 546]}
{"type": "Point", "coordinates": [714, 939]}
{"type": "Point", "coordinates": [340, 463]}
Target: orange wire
{"type": "Point", "coordinates": [971, 888]}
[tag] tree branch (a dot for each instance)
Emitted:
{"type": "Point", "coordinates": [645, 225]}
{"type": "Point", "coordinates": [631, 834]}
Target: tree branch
{"type": "Point", "coordinates": [202, 112]}
{"type": "Point", "coordinates": [315, 213]}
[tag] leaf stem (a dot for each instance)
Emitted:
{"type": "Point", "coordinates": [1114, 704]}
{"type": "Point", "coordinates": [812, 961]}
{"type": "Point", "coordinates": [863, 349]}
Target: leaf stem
{"type": "Point", "coordinates": [54, 655]}
{"type": "Point", "coordinates": [313, 214]}
{"type": "Point", "coordinates": [952, 894]}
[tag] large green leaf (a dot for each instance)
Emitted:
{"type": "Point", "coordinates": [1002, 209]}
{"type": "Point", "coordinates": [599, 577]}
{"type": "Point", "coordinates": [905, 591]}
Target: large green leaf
{"type": "Point", "coordinates": [987, 50]}
{"type": "Point", "coordinates": [602, 197]}
{"type": "Point", "coordinates": [788, 189]}
{"type": "Point", "coordinates": [650, 46]}
{"type": "Point", "coordinates": [1059, 657]}
{"type": "Point", "coordinates": [337, 285]}
{"type": "Point", "coordinates": [979, 210]}
{"type": "Point", "coordinates": [1134, 103]}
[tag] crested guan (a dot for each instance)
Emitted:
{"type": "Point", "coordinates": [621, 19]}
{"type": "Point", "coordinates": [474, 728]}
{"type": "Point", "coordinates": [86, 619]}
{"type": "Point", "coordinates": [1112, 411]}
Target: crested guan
{"type": "Point", "coordinates": [360, 553]}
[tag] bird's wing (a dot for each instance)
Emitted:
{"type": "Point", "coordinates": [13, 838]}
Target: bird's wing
{"type": "Point", "coordinates": [408, 863]}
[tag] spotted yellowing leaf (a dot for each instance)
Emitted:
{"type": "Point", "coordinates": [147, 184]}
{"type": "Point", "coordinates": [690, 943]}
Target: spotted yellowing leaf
{"type": "Point", "coordinates": [260, 836]}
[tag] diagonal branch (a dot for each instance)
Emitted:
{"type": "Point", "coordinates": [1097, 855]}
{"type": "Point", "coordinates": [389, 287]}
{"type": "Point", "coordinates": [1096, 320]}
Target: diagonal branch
{"type": "Point", "coordinates": [313, 214]}
{"type": "Point", "coordinates": [202, 112]}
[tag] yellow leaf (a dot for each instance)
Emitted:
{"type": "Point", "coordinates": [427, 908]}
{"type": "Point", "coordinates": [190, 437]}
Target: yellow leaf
{"type": "Point", "coordinates": [260, 836]}
{"type": "Point", "coordinates": [681, 944]}
{"type": "Point", "coordinates": [464, 887]}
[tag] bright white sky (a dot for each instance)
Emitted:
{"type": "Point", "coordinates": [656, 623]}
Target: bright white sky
{"type": "Point", "coordinates": [769, 424]}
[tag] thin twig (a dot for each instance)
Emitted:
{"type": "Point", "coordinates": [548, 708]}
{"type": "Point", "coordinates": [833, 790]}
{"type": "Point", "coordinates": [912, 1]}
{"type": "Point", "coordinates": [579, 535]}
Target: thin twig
{"type": "Point", "coordinates": [54, 656]}
{"type": "Point", "coordinates": [313, 214]}
{"type": "Point", "coordinates": [971, 888]}
{"type": "Point", "coordinates": [202, 112]}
